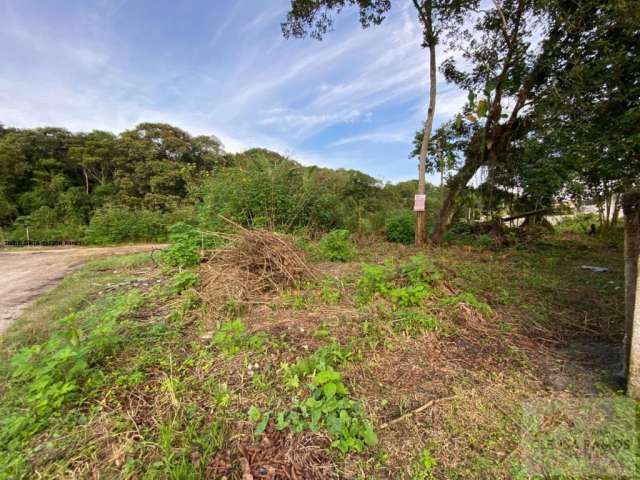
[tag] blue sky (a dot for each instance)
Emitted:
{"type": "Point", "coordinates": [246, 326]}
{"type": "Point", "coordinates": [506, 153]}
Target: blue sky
{"type": "Point", "coordinates": [222, 67]}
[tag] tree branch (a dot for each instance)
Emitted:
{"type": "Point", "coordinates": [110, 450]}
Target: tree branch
{"type": "Point", "coordinates": [421, 14]}
{"type": "Point", "coordinates": [505, 28]}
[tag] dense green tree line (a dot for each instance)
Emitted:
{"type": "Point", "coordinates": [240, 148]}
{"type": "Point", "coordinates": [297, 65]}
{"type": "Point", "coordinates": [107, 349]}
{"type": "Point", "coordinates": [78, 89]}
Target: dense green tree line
{"type": "Point", "coordinates": [104, 188]}
{"type": "Point", "coordinates": [54, 181]}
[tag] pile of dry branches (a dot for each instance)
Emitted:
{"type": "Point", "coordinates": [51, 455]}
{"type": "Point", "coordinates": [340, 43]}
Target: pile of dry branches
{"type": "Point", "coordinates": [252, 263]}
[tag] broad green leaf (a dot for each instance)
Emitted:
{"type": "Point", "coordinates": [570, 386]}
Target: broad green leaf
{"type": "Point", "coordinates": [329, 389]}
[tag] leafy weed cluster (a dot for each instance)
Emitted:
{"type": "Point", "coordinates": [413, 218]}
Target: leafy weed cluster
{"type": "Point", "coordinates": [232, 337]}
{"type": "Point", "coordinates": [405, 285]}
{"type": "Point", "coordinates": [46, 377]}
{"type": "Point", "coordinates": [412, 322]}
{"type": "Point", "coordinates": [328, 407]}
{"type": "Point", "coordinates": [336, 246]}
{"type": "Point", "coordinates": [183, 249]}
{"type": "Point", "coordinates": [468, 298]}
{"type": "Point", "coordinates": [326, 404]}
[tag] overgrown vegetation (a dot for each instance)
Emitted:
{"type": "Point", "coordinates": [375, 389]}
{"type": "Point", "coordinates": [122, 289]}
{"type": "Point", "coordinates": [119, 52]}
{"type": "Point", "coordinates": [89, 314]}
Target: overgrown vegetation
{"type": "Point", "coordinates": [103, 188]}
{"type": "Point", "coordinates": [153, 380]}
{"type": "Point", "coordinates": [405, 285]}
{"type": "Point", "coordinates": [236, 356]}
{"type": "Point", "coordinates": [400, 228]}
{"type": "Point", "coordinates": [336, 246]}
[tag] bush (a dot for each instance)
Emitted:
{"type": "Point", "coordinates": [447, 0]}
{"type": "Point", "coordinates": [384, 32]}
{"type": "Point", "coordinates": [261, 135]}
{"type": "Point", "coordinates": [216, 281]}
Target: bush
{"type": "Point", "coordinates": [401, 228]}
{"type": "Point", "coordinates": [580, 223]}
{"type": "Point", "coordinates": [118, 224]}
{"type": "Point", "coordinates": [185, 242]}
{"type": "Point", "coordinates": [336, 246]}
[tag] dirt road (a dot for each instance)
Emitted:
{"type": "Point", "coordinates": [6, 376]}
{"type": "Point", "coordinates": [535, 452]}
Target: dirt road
{"type": "Point", "coordinates": [29, 272]}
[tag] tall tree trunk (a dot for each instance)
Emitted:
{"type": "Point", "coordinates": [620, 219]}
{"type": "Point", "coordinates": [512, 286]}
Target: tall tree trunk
{"type": "Point", "coordinates": [616, 211]}
{"type": "Point", "coordinates": [607, 207]}
{"type": "Point", "coordinates": [631, 361]}
{"type": "Point", "coordinates": [86, 180]}
{"type": "Point", "coordinates": [455, 186]}
{"type": "Point", "coordinates": [421, 216]}
{"type": "Point", "coordinates": [499, 134]}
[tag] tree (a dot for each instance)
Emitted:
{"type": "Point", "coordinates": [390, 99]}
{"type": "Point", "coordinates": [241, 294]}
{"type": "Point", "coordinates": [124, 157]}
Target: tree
{"type": "Point", "coordinates": [58, 179]}
{"type": "Point", "coordinates": [443, 150]}
{"type": "Point", "coordinates": [94, 154]}
{"type": "Point", "coordinates": [508, 69]}
{"type": "Point", "coordinates": [312, 17]}
{"type": "Point", "coordinates": [155, 162]}
{"type": "Point", "coordinates": [587, 123]}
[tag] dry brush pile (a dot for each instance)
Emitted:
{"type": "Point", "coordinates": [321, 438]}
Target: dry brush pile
{"type": "Point", "coordinates": [253, 263]}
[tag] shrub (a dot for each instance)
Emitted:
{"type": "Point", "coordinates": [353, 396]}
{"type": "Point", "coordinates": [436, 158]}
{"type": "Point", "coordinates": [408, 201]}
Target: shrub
{"type": "Point", "coordinates": [118, 224]}
{"type": "Point", "coordinates": [336, 246]}
{"type": "Point", "coordinates": [185, 241]}
{"type": "Point", "coordinates": [484, 241]}
{"type": "Point", "coordinates": [579, 223]}
{"type": "Point", "coordinates": [401, 228]}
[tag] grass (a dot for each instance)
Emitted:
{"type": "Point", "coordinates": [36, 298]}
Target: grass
{"type": "Point", "coordinates": [406, 365]}
{"type": "Point", "coordinates": [74, 293]}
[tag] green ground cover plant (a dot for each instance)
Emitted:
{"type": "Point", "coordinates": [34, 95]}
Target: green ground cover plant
{"type": "Point", "coordinates": [169, 392]}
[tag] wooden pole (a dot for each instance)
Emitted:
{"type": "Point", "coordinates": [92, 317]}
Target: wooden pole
{"type": "Point", "coordinates": [631, 363]}
{"type": "Point", "coordinates": [425, 12]}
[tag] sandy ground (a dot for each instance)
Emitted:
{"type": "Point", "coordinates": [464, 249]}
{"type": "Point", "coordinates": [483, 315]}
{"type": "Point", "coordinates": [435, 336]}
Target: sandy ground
{"type": "Point", "coordinates": [28, 272]}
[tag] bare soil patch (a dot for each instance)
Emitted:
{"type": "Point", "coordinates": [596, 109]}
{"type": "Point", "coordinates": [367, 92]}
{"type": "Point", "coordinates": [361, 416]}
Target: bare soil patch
{"type": "Point", "coordinates": [27, 273]}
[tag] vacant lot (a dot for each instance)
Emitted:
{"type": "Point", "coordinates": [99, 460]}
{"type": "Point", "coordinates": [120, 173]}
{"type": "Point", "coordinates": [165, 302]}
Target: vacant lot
{"type": "Point", "coordinates": [27, 273]}
{"type": "Point", "coordinates": [444, 363]}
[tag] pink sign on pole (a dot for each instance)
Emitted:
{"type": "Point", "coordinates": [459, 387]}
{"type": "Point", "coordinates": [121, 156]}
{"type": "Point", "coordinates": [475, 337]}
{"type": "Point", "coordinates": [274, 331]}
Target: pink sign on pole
{"type": "Point", "coordinates": [419, 202]}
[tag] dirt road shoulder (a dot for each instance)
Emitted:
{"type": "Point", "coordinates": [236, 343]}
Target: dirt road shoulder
{"type": "Point", "coordinates": [29, 272]}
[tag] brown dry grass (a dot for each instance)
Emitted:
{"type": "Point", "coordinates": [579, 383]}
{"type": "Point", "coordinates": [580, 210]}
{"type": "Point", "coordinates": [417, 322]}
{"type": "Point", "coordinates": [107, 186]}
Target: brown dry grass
{"type": "Point", "coordinates": [254, 262]}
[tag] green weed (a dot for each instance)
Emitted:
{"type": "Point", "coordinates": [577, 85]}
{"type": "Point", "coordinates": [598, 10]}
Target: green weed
{"type": "Point", "coordinates": [330, 292]}
{"type": "Point", "coordinates": [328, 407]}
{"type": "Point", "coordinates": [232, 337]}
{"type": "Point", "coordinates": [405, 285]}
{"type": "Point", "coordinates": [337, 246]}
{"type": "Point", "coordinates": [409, 296]}
{"type": "Point", "coordinates": [45, 378]}
{"type": "Point", "coordinates": [185, 242]}
{"type": "Point", "coordinates": [414, 322]}
{"type": "Point", "coordinates": [184, 280]}
{"type": "Point", "coordinates": [330, 356]}
{"type": "Point", "coordinates": [375, 279]}
{"type": "Point", "coordinates": [470, 299]}
{"type": "Point", "coordinates": [423, 466]}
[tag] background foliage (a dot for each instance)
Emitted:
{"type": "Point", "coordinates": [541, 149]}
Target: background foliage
{"type": "Point", "coordinates": [104, 188]}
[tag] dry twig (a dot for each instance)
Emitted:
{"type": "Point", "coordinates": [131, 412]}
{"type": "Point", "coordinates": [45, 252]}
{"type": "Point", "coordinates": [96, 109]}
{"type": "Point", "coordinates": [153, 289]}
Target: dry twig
{"type": "Point", "coordinates": [415, 411]}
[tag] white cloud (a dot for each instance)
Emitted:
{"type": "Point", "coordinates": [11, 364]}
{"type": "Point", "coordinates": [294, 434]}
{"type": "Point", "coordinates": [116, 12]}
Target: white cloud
{"type": "Point", "coordinates": [315, 101]}
{"type": "Point", "coordinates": [373, 137]}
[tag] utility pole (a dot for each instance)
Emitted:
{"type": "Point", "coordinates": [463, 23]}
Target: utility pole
{"type": "Point", "coordinates": [631, 364]}
{"type": "Point", "coordinates": [425, 12]}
